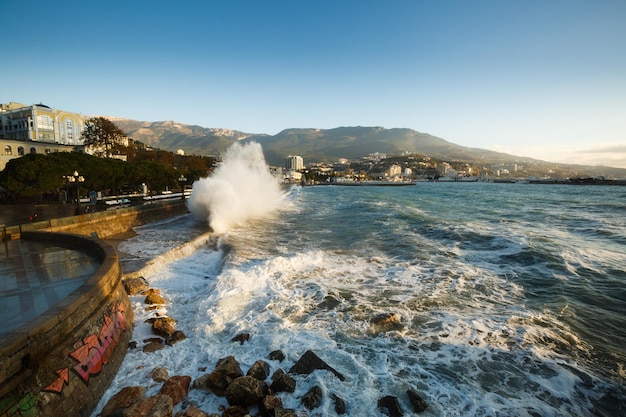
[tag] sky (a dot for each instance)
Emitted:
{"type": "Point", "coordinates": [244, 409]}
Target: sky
{"type": "Point", "coordinates": [535, 78]}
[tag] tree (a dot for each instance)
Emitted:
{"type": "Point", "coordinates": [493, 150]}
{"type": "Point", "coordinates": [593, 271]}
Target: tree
{"type": "Point", "coordinates": [103, 136]}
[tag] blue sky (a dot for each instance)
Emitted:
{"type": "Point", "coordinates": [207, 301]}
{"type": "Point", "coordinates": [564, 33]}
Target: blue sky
{"type": "Point", "coordinates": [545, 79]}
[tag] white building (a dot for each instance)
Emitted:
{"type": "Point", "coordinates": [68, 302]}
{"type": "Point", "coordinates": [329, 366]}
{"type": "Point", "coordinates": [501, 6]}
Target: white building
{"type": "Point", "coordinates": [294, 163]}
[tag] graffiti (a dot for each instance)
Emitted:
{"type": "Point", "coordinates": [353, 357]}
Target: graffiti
{"type": "Point", "coordinates": [24, 407]}
{"type": "Point", "coordinates": [95, 351]}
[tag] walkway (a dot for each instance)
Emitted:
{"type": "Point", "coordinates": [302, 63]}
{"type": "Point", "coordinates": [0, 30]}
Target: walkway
{"type": "Point", "coordinates": [36, 276]}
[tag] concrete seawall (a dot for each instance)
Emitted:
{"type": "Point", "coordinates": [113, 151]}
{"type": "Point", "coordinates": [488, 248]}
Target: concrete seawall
{"type": "Point", "coordinates": [62, 362]}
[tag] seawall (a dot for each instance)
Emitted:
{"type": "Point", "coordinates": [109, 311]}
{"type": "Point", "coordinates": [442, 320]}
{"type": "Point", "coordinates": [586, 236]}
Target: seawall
{"type": "Point", "coordinates": [62, 362]}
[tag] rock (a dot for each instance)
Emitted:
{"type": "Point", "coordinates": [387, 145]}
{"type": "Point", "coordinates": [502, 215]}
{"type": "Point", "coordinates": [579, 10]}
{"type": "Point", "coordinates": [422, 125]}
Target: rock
{"type": "Point", "coordinates": [153, 347]}
{"type": "Point", "coordinates": [202, 382]}
{"type": "Point", "coordinates": [157, 406]}
{"type": "Point", "coordinates": [163, 327]}
{"type": "Point", "coordinates": [340, 404]}
{"type": "Point", "coordinates": [235, 411]}
{"type": "Point", "coordinates": [160, 374]}
{"type": "Point", "coordinates": [277, 355]}
{"type": "Point", "coordinates": [268, 404]}
{"type": "Point", "coordinates": [192, 412]}
{"type": "Point", "coordinates": [154, 297]}
{"type": "Point", "coordinates": [281, 382]}
{"type": "Point", "coordinates": [310, 362]}
{"type": "Point", "coordinates": [417, 401]}
{"type": "Point", "coordinates": [134, 286]}
{"type": "Point", "coordinates": [226, 371]}
{"type": "Point", "coordinates": [245, 391]}
{"type": "Point", "coordinates": [285, 412]}
{"type": "Point", "coordinates": [177, 387]}
{"type": "Point", "coordinates": [230, 365]}
{"type": "Point", "coordinates": [313, 398]}
{"type": "Point", "coordinates": [176, 337]}
{"type": "Point", "coordinates": [241, 338]}
{"type": "Point", "coordinates": [385, 322]}
{"type": "Point", "coordinates": [124, 398]}
{"type": "Point", "coordinates": [259, 370]}
{"type": "Point", "coordinates": [132, 344]}
{"type": "Point", "coordinates": [390, 406]}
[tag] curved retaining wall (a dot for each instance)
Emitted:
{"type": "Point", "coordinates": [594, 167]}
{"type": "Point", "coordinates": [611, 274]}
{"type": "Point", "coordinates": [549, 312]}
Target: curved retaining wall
{"type": "Point", "coordinates": [61, 363]}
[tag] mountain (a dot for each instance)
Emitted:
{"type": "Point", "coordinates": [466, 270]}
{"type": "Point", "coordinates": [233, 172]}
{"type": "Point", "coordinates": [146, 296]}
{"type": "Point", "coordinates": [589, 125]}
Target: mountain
{"type": "Point", "coordinates": [323, 145]}
{"type": "Point", "coordinates": [328, 145]}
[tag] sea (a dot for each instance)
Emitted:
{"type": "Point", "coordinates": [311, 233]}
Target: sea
{"type": "Point", "coordinates": [507, 299]}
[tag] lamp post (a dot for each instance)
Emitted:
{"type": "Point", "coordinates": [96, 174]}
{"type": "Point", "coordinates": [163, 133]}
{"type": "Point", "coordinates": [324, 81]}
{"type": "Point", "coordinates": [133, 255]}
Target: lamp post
{"type": "Point", "coordinates": [182, 180]}
{"type": "Point", "coordinates": [77, 178]}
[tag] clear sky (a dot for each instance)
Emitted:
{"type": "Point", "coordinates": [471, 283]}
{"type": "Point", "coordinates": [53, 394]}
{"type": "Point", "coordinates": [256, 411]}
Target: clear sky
{"type": "Point", "coordinates": [538, 78]}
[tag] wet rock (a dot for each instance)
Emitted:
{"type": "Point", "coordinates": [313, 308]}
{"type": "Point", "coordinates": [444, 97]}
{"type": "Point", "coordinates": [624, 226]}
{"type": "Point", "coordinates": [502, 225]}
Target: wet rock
{"type": "Point", "coordinates": [281, 382]}
{"type": "Point", "coordinates": [241, 338]}
{"type": "Point", "coordinates": [277, 355]}
{"type": "Point", "coordinates": [269, 404]}
{"type": "Point", "coordinates": [134, 286]}
{"type": "Point", "coordinates": [259, 370]}
{"type": "Point", "coordinates": [309, 362]}
{"type": "Point", "coordinates": [176, 337]}
{"type": "Point", "coordinates": [390, 406]}
{"type": "Point", "coordinates": [385, 322]}
{"type": "Point", "coordinates": [154, 297]}
{"type": "Point", "coordinates": [153, 346]}
{"type": "Point", "coordinates": [245, 391]}
{"type": "Point", "coordinates": [313, 398]}
{"type": "Point", "coordinates": [340, 404]}
{"type": "Point", "coordinates": [226, 371]}
{"type": "Point", "coordinates": [235, 411]}
{"type": "Point", "coordinates": [163, 327]}
{"type": "Point", "coordinates": [418, 403]}
{"type": "Point", "coordinates": [285, 412]}
{"type": "Point", "coordinates": [157, 406]}
{"type": "Point", "coordinates": [160, 374]}
{"type": "Point", "coordinates": [123, 399]}
{"type": "Point", "coordinates": [192, 412]}
{"type": "Point", "coordinates": [177, 387]}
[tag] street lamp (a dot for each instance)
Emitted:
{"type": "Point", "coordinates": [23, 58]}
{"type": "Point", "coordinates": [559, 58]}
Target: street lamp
{"type": "Point", "coordinates": [182, 180]}
{"type": "Point", "coordinates": [77, 178]}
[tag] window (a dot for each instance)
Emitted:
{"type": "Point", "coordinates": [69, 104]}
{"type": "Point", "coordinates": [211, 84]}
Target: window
{"type": "Point", "coordinates": [33, 151]}
{"type": "Point", "coordinates": [20, 151]}
{"type": "Point", "coordinates": [70, 129]}
{"type": "Point", "coordinates": [45, 122]}
{"type": "Point", "coordinates": [8, 150]}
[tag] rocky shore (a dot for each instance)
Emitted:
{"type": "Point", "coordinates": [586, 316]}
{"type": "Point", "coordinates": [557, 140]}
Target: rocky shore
{"type": "Point", "coordinates": [253, 393]}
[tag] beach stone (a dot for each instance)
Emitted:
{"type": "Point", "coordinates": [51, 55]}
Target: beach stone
{"type": "Point", "coordinates": [226, 371]}
{"type": "Point", "coordinates": [134, 286]}
{"type": "Point", "coordinates": [162, 326]}
{"type": "Point", "coordinates": [160, 374]}
{"type": "Point", "coordinates": [259, 370]}
{"type": "Point", "coordinates": [285, 412]}
{"type": "Point", "coordinates": [241, 338]}
{"type": "Point", "coordinates": [309, 362]}
{"type": "Point", "coordinates": [176, 387]}
{"type": "Point", "coordinates": [418, 403]}
{"type": "Point", "coordinates": [176, 337]}
{"type": "Point", "coordinates": [281, 382]}
{"type": "Point", "coordinates": [157, 406]}
{"type": "Point", "coordinates": [340, 404]}
{"type": "Point", "coordinates": [236, 411]}
{"type": "Point", "coordinates": [313, 398]}
{"type": "Point", "coordinates": [277, 355]}
{"type": "Point", "coordinates": [268, 404]}
{"type": "Point", "coordinates": [192, 412]}
{"type": "Point", "coordinates": [385, 322]}
{"type": "Point", "coordinates": [153, 347]}
{"type": "Point", "coordinates": [390, 406]}
{"type": "Point", "coordinates": [123, 399]}
{"type": "Point", "coordinates": [245, 391]}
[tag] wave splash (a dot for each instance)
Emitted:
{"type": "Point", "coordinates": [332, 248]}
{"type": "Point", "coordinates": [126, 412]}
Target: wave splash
{"type": "Point", "coordinates": [240, 189]}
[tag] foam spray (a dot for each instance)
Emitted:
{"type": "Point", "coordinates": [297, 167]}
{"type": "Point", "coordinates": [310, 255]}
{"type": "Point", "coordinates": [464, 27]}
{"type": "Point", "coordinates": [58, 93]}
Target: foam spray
{"type": "Point", "coordinates": [240, 189]}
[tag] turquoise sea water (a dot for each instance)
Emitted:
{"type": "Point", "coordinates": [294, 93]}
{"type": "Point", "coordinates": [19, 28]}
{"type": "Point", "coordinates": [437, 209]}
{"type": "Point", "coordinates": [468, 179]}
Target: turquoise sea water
{"type": "Point", "coordinates": [511, 298]}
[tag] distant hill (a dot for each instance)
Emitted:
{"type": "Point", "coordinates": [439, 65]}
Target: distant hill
{"type": "Point", "coordinates": [328, 145]}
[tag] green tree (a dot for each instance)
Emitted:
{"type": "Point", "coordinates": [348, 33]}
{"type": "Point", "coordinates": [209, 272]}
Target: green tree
{"type": "Point", "coordinates": [103, 136]}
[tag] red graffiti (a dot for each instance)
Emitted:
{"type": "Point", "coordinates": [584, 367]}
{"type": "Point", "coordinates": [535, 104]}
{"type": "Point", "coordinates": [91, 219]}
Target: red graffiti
{"type": "Point", "coordinates": [59, 383]}
{"type": "Point", "coordinates": [95, 351]}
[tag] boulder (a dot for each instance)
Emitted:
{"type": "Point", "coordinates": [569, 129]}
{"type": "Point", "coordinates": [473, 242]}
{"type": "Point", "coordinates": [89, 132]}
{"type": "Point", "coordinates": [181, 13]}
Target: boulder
{"type": "Point", "coordinates": [134, 286]}
{"type": "Point", "coordinates": [285, 412]}
{"type": "Point", "coordinates": [153, 346]}
{"type": "Point", "coordinates": [418, 403]}
{"type": "Point", "coordinates": [236, 411]}
{"type": "Point", "coordinates": [268, 404]}
{"type": "Point", "coordinates": [160, 374]}
{"type": "Point", "coordinates": [177, 387]}
{"type": "Point", "coordinates": [192, 412]}
{"type": "Point", "coordinates": [154, 297]}
{"type": "Point", "coordinates": [259, 370]}
{"type": "Point", "coordinates": [176, 337]}
{"type": "Point", "coordinates": [313, 398]}
{"type": "Point", "coordinates": [157, 406]}
{"type": "Point", "coordinates": [226, 371]}
{"type": "Point", "coordinates": [390, 406]}
{"type": "Point", "coordinates": [245, 391]}
{"type": "Point", "coordinates": [309, 362]}
{"type": "Point", "coordinates": [241, 338]}
{"type": "Point", "coordinates": [340, 404]}
{"type": "Point", "coordinates": [281, 382]}
{"type": "Point", "coordinates": [163, 327]}
{"type": "Point", "coordinates": [277, 355]}
{"type": "Point", "coordinates": [124, 398]}
{"type": "Point", "coordinates": [385, 322]}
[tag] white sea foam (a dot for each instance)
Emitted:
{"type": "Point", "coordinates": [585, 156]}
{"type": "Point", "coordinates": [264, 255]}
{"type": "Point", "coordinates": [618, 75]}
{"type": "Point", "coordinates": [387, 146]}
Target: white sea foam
{"type": "Point", "coordinates": [241, 188]}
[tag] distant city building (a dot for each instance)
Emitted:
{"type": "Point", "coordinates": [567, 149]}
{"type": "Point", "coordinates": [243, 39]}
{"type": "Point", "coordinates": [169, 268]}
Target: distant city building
{"type": "Point", "coordinates": [294, 163]}
{"type": "Point", "coordinates": [37, 129]}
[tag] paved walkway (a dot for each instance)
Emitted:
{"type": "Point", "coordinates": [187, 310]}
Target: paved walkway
{"type": "Point", "coordinates": [36, 276]}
